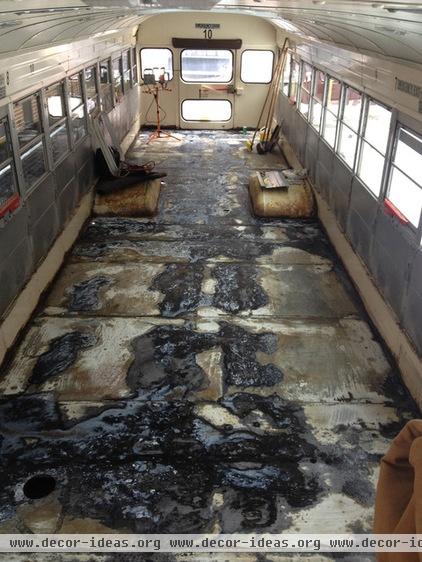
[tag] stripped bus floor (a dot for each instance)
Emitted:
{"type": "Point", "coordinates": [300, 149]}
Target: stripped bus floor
{"type": "Point", "coordinates": [202, 371]}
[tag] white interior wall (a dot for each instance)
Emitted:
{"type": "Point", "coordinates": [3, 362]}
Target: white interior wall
{"type": "Point", "coordinates": [256, 33]}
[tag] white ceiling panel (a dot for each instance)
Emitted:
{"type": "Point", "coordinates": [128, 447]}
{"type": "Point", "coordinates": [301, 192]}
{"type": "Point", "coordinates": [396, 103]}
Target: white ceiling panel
{"type": "Point", "coordinates": [391, 29]}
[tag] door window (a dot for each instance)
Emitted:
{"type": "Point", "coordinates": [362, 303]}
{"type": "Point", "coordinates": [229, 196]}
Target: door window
{"type": "Point", "coordinates": [206, 110]}
{"type": "Point", "coordinates": [207, 65]}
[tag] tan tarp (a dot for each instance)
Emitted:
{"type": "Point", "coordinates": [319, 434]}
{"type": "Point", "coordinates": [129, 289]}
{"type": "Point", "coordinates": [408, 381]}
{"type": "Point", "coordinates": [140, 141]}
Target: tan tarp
{"type": "Point", "coordinates": [398, 507]}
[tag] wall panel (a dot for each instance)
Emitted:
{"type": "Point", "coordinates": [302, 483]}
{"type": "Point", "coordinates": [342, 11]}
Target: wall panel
{"type": "Point", "coordinates": [340, 189]}
{"type": "Point", "coordinates": [15, 271]}
{"type": "Point", "coordinates": [40, 199]}
{"type": "Point", "coordinates": [359, 235]}
{"type": "Point", "coordinates": [64, 172]}
{"type": "Point", "coordinates": [363, 203]}
{"type": "Point", "coordinates": [388, 249]}
{"type": "Point", "coordinates": [67, 200]}
{"type": "Point", "coordinates": [255, 33]}
{"type": "Point", "coordinates": [375, 76]}
{"type": "Point", "coordinates": [27, 235]}
{"type": "Point", "coordinates": [43, 233]}
{"type": "Point", "coordinates": [13, 232]}
{"type": "Point", "coordinates": [311, 153]}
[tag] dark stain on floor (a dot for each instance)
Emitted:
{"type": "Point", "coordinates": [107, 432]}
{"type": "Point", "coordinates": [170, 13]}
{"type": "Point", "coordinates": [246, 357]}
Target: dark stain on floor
{"type": "Point", "coordinates": [84, 295]}
{"type": "Point", "coordinates": [203, 242]}
{"type": "Point", "coordinates": [165, 359]}
{"type": "Point", "coordinates": [238, 288]}
{"type": "Point", "coordinates": [156, 466]}
{"type": "Point", "coordinates": [62, 353]}
{"type": "Point", "coordinates": [181, 287]}
{"type": "Point", "coordinates": [157, 461]}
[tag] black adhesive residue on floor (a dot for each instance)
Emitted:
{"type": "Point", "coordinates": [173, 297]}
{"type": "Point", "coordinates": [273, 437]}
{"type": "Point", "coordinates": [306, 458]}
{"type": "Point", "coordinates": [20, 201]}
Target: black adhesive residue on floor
{"type": "Point", "coordinates": [61, 355]}
{"type": "Point", "coordinates": [208, 402]}
{"type": "Point", "coordinates": [84, 295]}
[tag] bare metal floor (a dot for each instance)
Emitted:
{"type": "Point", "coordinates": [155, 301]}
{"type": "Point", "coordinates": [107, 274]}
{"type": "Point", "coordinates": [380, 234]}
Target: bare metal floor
{"type": "Point", "coordinates": [201, 371]}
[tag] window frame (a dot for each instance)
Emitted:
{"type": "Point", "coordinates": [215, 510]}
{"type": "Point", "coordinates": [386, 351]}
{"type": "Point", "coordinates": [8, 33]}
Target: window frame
{"type": "Point", "coordinates": [341, 123]}
{"type": "Point", "coordinates": [282, 82]}
{"type": "Point", "coordinates": [301, 88]}
{"type": "Point", "coordinates": [13, 202]}
{"type": "Point", "coordinates": [109, 83]}
{"type": "Point", "coordinates": [262, 51]}
{"type": "Point", "coordinates": [392, 166]}
{"type": "Point", "coordinates": [97, 89]}
{"type": "Point", "coordinates": [204, 81]}
{"type": "Point", "coordinates": [134, 68]}
{"type": "Point", "coordinates": [361, 143]}
{"type": "Point", "coordinates": [326, 109]}
{"type": "Point", "coordinates": [83, 104]}
{"type": "Point", "coordinates": [21, 151]}
{"type": "Point", "coordinates": [140, 71]}
{"type": "Point", "coordinates": [119, 61]}
{"type": "Point", "coordinates": [397, 120]}
{"type": "Point", "coordinates": [59, 123]}
{"type": "Point", "coordinates": [314, 100]}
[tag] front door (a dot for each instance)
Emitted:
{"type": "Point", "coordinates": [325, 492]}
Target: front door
{"type": "Point", "coordinates": [206, 88]}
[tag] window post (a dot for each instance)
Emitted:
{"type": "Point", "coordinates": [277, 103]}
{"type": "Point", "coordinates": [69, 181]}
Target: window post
{"type": "Point", "coordinates": [15, 149]}
{"type": "Point", "coordinates": [68, 113]}
{"type": "Point", "coordinates": [389, 152]}
{"type": "Point", "coordinates": [46, 130]}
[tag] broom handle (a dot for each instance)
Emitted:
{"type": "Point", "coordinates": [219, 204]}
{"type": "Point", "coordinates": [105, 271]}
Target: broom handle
{"type": "Point", "coordinates": [273, 93]}
{"type": "Point", "coordinates": [273, 86]}
{"type": "Point", "coordinates": [279, 71]}
{"type": "Point", "coordinates": [261, 114]}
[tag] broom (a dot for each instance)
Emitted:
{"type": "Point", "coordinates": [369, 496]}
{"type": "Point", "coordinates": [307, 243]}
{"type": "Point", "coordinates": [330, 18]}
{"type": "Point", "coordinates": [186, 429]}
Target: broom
{"type": "Point", "coordinates": [271, 95]}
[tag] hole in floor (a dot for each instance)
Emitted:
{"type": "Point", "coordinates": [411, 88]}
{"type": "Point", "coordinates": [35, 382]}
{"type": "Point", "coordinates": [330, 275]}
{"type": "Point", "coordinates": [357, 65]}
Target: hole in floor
{"type": "Point", "coordinates": [39, 486]}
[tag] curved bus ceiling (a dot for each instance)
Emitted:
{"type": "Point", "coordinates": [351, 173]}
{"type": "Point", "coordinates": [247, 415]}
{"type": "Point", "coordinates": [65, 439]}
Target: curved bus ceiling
{"type": "Point", "coordinates": [387, 29]}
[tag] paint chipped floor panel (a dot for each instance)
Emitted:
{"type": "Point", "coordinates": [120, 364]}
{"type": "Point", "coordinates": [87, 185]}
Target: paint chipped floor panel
{"type": "Point", "coordinates": [204, 371]}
